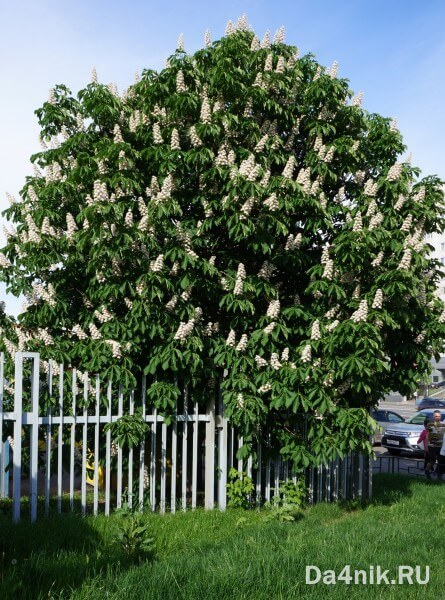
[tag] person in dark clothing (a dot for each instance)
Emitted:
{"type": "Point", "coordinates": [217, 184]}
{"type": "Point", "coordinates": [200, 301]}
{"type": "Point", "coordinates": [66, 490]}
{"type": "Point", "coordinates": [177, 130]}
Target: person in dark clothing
{"type": "Point", "coordinates": [434, 437]}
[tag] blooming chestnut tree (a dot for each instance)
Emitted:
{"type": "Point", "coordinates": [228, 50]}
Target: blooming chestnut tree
{"type": "Point", "coordinates": [236, 222]}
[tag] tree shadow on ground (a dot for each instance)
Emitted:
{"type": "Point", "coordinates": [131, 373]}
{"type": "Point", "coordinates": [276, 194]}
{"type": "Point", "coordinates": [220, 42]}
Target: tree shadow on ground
{"type": "Point", "coordinates": [389, 488]}
{"type": "Point", "coordinates": [54, 555]}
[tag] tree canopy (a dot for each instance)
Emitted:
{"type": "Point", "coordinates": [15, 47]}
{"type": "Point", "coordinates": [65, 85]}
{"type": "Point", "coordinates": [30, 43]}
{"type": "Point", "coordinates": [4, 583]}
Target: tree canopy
{"type": "Point", "coordinates": [235, 222]}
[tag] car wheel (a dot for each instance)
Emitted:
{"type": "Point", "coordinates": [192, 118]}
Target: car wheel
{"type": "Point", "coordinates": [394, 452]}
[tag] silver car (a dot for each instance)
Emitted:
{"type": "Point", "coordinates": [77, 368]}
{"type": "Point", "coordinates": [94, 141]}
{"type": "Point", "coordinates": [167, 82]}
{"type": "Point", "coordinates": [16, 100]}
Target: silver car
{"type": "Point", "coordinates": [384, 418]}
{"type": "Point", "coordinates": [403, 437]}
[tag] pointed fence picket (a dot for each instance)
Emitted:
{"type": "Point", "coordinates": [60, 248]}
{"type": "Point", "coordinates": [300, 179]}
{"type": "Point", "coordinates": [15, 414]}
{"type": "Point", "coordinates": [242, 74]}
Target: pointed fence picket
{"type": "Point", "coordinates": [63, 455]}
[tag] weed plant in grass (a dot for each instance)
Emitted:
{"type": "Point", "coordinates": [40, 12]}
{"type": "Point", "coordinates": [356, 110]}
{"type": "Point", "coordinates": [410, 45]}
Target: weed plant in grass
{"type": "Point", "coordinates": [234, 554]}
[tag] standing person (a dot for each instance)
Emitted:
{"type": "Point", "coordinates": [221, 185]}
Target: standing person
{"type": "Point", "coordinates": [442, 460]}
{"type": "Point", "coordinates": [434, 437]}
{"type": "Point", "coordinates": [423, 441]}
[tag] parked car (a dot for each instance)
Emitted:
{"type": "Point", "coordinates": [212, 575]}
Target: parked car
{"type": "Point", "coordinates": [384, 418]}
{"type": "Point", "coordinates": [431, 403]}
{"type": "Point", "coordinates": [402, 437]}
{"type": "Point", "coordinates": [438, 385]}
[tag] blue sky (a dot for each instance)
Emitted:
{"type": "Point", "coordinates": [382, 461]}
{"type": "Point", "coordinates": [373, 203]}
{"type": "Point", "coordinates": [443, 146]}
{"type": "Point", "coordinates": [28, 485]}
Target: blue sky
{"type": "Point", "coordinates": [392, 50]}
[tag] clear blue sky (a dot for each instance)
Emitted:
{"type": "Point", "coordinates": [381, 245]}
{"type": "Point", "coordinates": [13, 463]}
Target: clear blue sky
{"type": "Point", "coordinates": [393, 50]}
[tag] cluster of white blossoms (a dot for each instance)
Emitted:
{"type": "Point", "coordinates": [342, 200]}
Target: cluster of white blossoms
{"type": "Point", "coordinates": [304, 179]}
{"type": "Point", "coordinates": [240, 277]}
{"type": "Point", "coordinates": [231, 338]}
{"type": "Point", "coordinates": [180, 83]}
{"type": "Point", "coordinates": [330, 314]}
{"type": "Point", "coordinates": [267, 270]}
{"type": "Point", "coordinates": [442, 317]}
{"type": "Point", "coordinates": [264, 388]}
{"type": "Point", "coordinates": [315, 330]}
{"type": "Point", "coordinates": [416, 241]}
{"type": "Point", "coordinates": [129, 219]}
{"type": "Point", "coordinates": [174, 140]}
{"type": "Point", "coordinates": [378, 259]}
{"type": "Point", "coordinates": [79, 332]}
{"type": "Point", "coordinates": [272, 202]}
{"type": "Point", "coordinates": [71, 226]}
{"type": "Point", "coordinates": [281, 65]}
{"type": "Point", "coordinates": [221, 158]}
{"type": "Point", "coordinates": [406, 225]}
{"type": "Point", "coordinates": [288, 170]}
{"type": "Point", "coordinates": [103, 315]}
{"type": "Point", "coordinates": [333, 325]}
{"type": "Point", "coordinates": [273, 310]}
{"type": "Point", "coordinates": [269, 328]}
{"type": "Point", "coordinates": [246, 208]}
{"type": "Point", "coordinates": [157, 264]}
{"type": "Point", "coordinates": [33, 233]}
{"type": "Point", "coordinates": [117, 135]}
{"type": "Point", "coordinates": [240, 400]}
{"type": "Point", "coordinates": [358, 223]}
{"type": "Point", "coordinates": [400, 202]}
{"type": "Point", "coordinates": [328, 264]}
{"type": "Point", "coordinates": [378, 299]}
{"type": "Point", "coordinates": [53, 172]}
{"type": "Point", "coordinates": [47, 228]}
{"type": "Point", "coordinates": [262, 362]}
{"type": "Point", "coordinates": [242, 344]}
{"type": "Point", "coordinates": [361, 314]}
{"type": "Point", "coordinates": [194, 137]}
{"type": "Point", "coordinates": [376, 219]}
{"type": "Point", "coordinates": [186, 294]}
{"type": "Point", "coordinates": [275, 361]}
{"type": "Point", "coordinates": [164, 193]}
{"type": "Point", "coordinates": [394, 172]}
{"type": "Point", "coordinates": [11, 348]}
{"type": "Point", "coordinates": [206, 111]}
{"type": "Point", "coordinates": [420, 195]}
{"type": "Point", "coordinates": [184, 329]}
{"type": "Point", "coordinates": [211, 328]}
{"type": "Point", "coordinates": [47, 294]}
{"type": "Point", "coordinates": [172, 303]}
{"type": "Point", "coordinates": [45, 336]}
{"type": "Point", "coordinates": [285, 355]}
{"type": "Point", "coordinates": [116, 348]}
{"type": "Point", "coordinates": [249, 168]}
{"type": "Point", "coordinates": [4, 261]}
{"type": "Point", "coordinates": [357, 100]}
{"type": "Point", "coordinates": [306, 355]}
{"type": "Point", "coordinates": [94, 332]}
{"type": "Point", "coordinates": [370, 188]}
{"type": "Point", "coordinates": [135, 120]}
{"type": "Point", "coordinates": [268, 64]}
{"type": "Point", "coordinates": [100, 192]}
{"type": "Point", "coordinates": [293, 242]}
{"type": "Point", "coordinates": [157, 135]}
{"type": "Point", "coordinates": [405, 263]}
{"type": "Point", "coordinates": [420, 338]}
{"type": "Point", "coordinates": [261, 143]}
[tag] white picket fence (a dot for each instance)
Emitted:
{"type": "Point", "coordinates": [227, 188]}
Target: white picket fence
{"type": "Point", "coordinates": [62, 456]}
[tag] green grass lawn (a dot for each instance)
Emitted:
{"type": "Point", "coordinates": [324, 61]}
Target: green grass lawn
{"type": "Point", "coordinates": [235, 554]}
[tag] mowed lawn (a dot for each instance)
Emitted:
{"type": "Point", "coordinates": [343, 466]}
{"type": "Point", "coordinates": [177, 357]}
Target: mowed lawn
{"type": "Point", "coordinates": [237, 554]}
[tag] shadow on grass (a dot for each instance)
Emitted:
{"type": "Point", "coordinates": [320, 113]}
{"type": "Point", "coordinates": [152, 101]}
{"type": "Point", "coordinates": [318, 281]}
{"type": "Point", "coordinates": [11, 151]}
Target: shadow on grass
{"type": "Point", "coordinates": [51, 556]}
{"type": "Point", "coordinates": [391, 488]}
